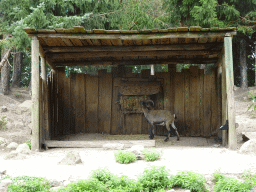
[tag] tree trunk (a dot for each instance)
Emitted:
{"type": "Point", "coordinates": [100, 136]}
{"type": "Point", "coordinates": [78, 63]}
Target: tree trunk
{"type": "Point", "coordinates": [17, 62]}
{"type": "Point", "coordinates": [5, 75]}
{"type": "Point", "coordinates": [243, 65]}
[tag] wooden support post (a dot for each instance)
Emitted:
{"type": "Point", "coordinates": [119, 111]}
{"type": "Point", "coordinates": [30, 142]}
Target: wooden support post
{"type": "Point", "coordinates": [35, 94]}
{"type": "Point", "coordinates": [232, 140]}
{"type": "Point", "coordinates": [43, 69]}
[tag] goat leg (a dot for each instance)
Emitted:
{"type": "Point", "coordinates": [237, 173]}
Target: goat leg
{"type": "Point", "coordinates": [152, 132]}
{"type": "Point", "coordinates": [178, 136]}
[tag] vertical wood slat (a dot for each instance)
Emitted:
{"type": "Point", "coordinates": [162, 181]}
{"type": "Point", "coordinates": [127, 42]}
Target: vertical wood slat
{"type": "Point", "coordinates": [187, 102]}
{"type": "Point", "coordinates": [54, 101]}
{"type": "Point", "coordinates": [66, 106]}
{"type": "Point", "coordinates": [41, 113]}
{"type": "Point", "coordinates": [49, 108]}
{"type": "Point", "coordinates": [214, 100]}
{"type": "Point", "coordinates": [61, 88]}
{"type": "Point", "coordinates": [80, 103]}
{"type": "Point", "coordinates": [219, 77]}
{"type": "Point", "coordinates": [72, 105]}
{"type": "Point", "coordinates": [179, 102]}
{"type": "Point", "coordinates": [194, 100]}
{"type": "Point", "coordinates": [92, 103]}
{"type": "Point", "coordinates": [207, 105]}
{"type": "Point", "coordinates": [105, 99]}
{"type": "Point", "coordinates": [201, 102]}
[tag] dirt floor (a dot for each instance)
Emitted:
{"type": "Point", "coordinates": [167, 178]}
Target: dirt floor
{"type": "Point", "coordinates": [191, 154]}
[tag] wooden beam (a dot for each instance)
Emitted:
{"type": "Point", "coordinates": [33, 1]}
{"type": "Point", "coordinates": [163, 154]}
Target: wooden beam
{"type": "Point", "coordinates": [175, 47]}
{"type": "Point", "coordinates": [121, 36]}
{"type": "Point", "coordinates": [136, 62]}
{"type": "Point", "coordinates": [128, 54]}
{"type": "Point", "coordinates": [98, 143]}
{"type": "Point", "coordinates": [232, 138]}
{"type": "Point", "coordinates": [35, 143]}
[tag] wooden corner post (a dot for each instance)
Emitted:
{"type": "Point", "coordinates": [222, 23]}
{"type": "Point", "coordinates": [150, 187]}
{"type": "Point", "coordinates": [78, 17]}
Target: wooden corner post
{"type": "Point", "coordinates": [35, 93]}
{"type": "Point", "coordinates": [232, 140]}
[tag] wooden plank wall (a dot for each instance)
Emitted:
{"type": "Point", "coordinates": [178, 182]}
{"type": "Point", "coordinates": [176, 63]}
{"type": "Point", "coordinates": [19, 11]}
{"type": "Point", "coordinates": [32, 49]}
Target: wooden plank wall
{"type": "Point", "coordinates": [87, 104]}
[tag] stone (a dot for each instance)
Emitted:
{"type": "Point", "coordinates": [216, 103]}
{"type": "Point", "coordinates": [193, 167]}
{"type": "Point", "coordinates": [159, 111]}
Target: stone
{"type": "Point", "coordinates": [3, 109]}
{"type": "Point", "coordinates": [23, 148]}
{"type": "Point", "coordinates": [66, 183]}
{"type": "Point", "coordinates": [4, 184]}
{"type": "Point", "coordinates": [137, 150]}
{"type": "Point", "coordinates": [71, 158]}
{"type": "Point", "coordinates": [15, 156]}
{"type": "Point", "coordinates": [13, 145]}
{"type": "Point", "coordinates": [2, 140]}
{"type": "Point", "coordinates": [55, 183]}
{"type": "Point", "coordinates": [248, 147]}
{"type": "Point", "coordinates": [115, 146]}
{"type": "Point", "coordinates": [19, 125]}
{"type": "Point", "coordinates": [26, 105]}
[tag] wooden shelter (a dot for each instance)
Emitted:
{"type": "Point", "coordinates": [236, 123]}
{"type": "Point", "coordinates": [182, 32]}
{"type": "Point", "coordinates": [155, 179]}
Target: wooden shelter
{"type": "Point", "coordinates": [108, 103]}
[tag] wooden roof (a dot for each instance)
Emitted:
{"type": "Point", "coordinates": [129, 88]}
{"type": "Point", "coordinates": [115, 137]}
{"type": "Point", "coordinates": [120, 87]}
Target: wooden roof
{"type": "Point", "coordinates": [77, 46]}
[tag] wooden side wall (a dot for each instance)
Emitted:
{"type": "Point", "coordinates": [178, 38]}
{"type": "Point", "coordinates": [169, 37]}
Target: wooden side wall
{"type": "Point", "coordinates": [83, 103]}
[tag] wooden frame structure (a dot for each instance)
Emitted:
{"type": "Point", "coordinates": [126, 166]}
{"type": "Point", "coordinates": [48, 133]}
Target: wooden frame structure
{"type": "Point", "coordinates": [183, 45]}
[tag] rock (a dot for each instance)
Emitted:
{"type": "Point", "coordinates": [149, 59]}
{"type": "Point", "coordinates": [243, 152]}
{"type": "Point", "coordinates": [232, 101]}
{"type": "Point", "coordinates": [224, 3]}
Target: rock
{"type": "Point", "coordinates": [55, 183]}
{"type": "Point", "coordinates": [71, 158]}
{"type": "Point", "coordinates": [248, 147]}
{"type": "Point", "coordinates": [26, 105]}
{"type": "Point", "coordinates": [116, 146]}
{"type": "Point", "coordinates": [65, 183]}
{"type": "Point", "coordinates": [4, 184]}
{"type": "Point", "coordinates": [3, 140]}
{"type": "Point", "coordinates": [137, 150]}
{"type": "Point", "coordinates": [23, 148]}
{"type": "Point", "coordinates": [15, 156]}
{"type": "Point", "coordinates": [12, 145]}
{"type": "Point", "coordinates": [3, 109]}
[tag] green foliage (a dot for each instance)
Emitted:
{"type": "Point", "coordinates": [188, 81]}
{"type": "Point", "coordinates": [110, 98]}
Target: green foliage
{"type": "Point", "coordinates": [154, 178]}
{"type": "Point", "coordinates": [102, 175]}
{"type": "Point", "coordinates": [17, 95]}
{"type": "Point", "coordinates": [31, 184]}
{"type": "Point", "coordinates": [253, 103]}
{"type": "Point", "coordinates": [3, 122]}
{"type": "Point", "coordinates": [231, 185]}
{"type": "Point", "coordinates": [125, 157]}
{"type": "Point", "coordinates": [151, 155]}
{"type": "Point", "coordinates": [189, 180]}
{"type": "Point", "coordinates": [88, 185]}
{"type": "Point", "coordinates": [28, 143]}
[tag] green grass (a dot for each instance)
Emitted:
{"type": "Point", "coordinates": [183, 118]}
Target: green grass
{"type": "Point", "coordinates": [125, 157]}
{"type": "Point", "coordinates": [151, 154]}
{"type": "Point", "coordinates": [3, 123]}
{"type": "Point", "coordinates": [154, 178]}
{"type": "Point", "coordinates": [29, 184]}
{"type": "Point", "coordinates": [17, 95]}
{"type": "Point", "coordinates": [189, 180]}
{"type": "Point", "coordinates": [227, 184]}
{"type": "Point", "coordinates": [28, 142]}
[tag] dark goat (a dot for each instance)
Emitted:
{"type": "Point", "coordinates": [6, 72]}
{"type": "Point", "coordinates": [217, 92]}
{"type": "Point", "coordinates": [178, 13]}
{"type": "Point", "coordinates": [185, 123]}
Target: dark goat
{"type": "Point", "coordinates": [159, 117]}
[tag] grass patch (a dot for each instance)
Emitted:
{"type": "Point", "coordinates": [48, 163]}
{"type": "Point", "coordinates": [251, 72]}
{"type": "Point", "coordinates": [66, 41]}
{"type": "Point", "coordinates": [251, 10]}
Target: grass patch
{"type": "Point", "coordinates": [28, 142]}
{"type": "Point", "coordinates": [233, 185]}
{"type": "Point", "coordinates": [125, 157]}
{"type": "Point", "coordinates": [3, 122]}
{"type": "Point", "coordinates": [189, 180]}
{"type": "Point", "coordinates": [151, 154]}
{"type": "Point", "coordinates": [17, 95]}
{"type": "Point", "coordinates": [154, 178]}
{"type": "Point", "coordinates": [31, 184]}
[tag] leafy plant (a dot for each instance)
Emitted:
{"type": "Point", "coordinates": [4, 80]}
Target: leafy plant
{"type": "Point", "coordinates": [189, 180]}
{"type": "Point", "coordinates": [31, 184]}
{"type": "Point", "coordinates": [28, 143]}
{"type": "Point", "coordinates": [3, 123]}
{"type": "Point", "coordinates": [253, 105]}
{"type": "Point", "coordinates": [125, 157]}
{"type": "Point", "coordinates": [17, 95]}
{"type": "Point", "coordinates": [154, 178]}
{"type": "Point", "coordinates": [103, 175]}
{"type": "Point", "coordinates": [151, 155]}
{"type": "Point", "coordinates": [91, 184]}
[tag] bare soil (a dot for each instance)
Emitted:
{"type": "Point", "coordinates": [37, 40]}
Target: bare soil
{"type": "Point", "coordinates": [200, 155]}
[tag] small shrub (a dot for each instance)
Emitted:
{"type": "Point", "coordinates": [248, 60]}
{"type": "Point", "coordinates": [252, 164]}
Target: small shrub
{"type": "Point", "coordinates": [102, 175]}
{"type": "Point", "coordinates": [3, 123]}
{"type": "Point", "coordinates": [151, 155]}
{"type": "Point", "coordinates": [31, 184]}
{"type": "Point", "coordinates": [17, 95]}
{"type": "Point", "coordinates": [189, 180]}
{"type": "Point", "coordinates": [125, 157]}
{"type": "Point", "coordinates": [253, 103]}
{"type": "Point", "coordinates": [232, 185]}
{"type": "Point", "coordinates": [154, 178]}
{"type": "Point", "coordinates": [217, 176]}
{"type": "Point", "coordinates": [28, 143]}
{"type": "Point", "coordinates": [88, 185]}
{"type": "Point", "coordinates": [249, 178]}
